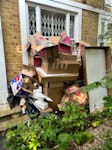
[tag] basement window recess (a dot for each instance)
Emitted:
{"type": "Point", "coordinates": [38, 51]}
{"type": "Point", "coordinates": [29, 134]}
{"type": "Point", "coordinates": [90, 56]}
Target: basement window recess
{"type": "Point", "coordinates": [50, 21]}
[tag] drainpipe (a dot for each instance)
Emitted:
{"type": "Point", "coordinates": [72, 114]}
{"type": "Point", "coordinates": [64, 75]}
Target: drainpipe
{"type": "Point", "coordinates": [3, 78]}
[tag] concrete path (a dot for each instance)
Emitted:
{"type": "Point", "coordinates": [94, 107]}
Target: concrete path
{"type": "Point", "coordinates": [2, 138]}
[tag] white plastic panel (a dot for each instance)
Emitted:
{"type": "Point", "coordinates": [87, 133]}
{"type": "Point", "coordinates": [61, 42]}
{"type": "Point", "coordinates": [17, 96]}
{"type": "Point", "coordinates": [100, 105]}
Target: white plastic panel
{"type": "Point", "coordinates": [96, 68]}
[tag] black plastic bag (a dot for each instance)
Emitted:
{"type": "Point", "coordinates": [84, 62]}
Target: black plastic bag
{"type": "Point", "coordinates": [12, 100]}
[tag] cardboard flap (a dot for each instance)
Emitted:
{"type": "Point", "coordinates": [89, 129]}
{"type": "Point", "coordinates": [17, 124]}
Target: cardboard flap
{"type": "Point", "coordinates": [39, 42]}
{"type": "Point", "coordinates": [27, 45]}
{"type": "Point", "coordinates": [63, 34]}
{"type": "Point", "coordinates": [28, 71]}
{"type": "Point", "coordinates": [38, 47]}
{"type": "Point", "coordinates": [55, 39]}
{"type": "Point", "coordinates": [32, 41]}
{"type": "Point", "coordinates": [65, 39]}
{"type": "Point", "coordinates": [39, 38]}
{"type": "Point", "coordinates": [84, 43]}
{"type": "Point", "coordinates": [68, 62]}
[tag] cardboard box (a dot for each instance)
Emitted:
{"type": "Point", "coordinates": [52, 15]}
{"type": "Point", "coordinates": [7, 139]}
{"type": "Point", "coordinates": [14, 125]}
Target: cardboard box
{"type": "Point", "coordinates": [45, 48]}
{"type": "Point", "coordinates": [53, 84]}
{"type": "Point", "coordinates": [65, 43]}
{"type": "Point", "coordinates": [49, 52]}
{"type": "Point", "coordinates": [44, 77]}
{"type": "Point", "coordinates": [72, 89]}
{"type": "Point", "coordinates": [34, 61]}
{"type": "Point", "coordinates": [29, 71]}
{"type": "Point", "coordinates": [30, 83]}
{"type": "Point", "coordinates": [64, 48]}
{"type": "Point", "coordinates": [58, 67]}
{"type": "Point", "coordinates": [55, 94]}
{"type": "Point", "coordinates": [68, 57]}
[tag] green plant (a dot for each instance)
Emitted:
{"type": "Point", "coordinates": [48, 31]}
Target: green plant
{"type": "Point", "coordinates": [51, 131]}
{"type": "Point", "coordinates": [74, 117]}
{"type": "Point", "coordinates": [107, 145]}
{"type": "Point", "coordinates": [107, 138]}
{"type": "Point", "coordinates": [64, 140]}
{"type": "Point", "coordinates": [21, 139]}
{"type": "Point", "coordinates": [82, 137]}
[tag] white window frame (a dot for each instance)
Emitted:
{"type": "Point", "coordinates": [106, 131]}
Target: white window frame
{"type": "Point", "coordinates": [66, 13]}
{"type": "Point", "coordinates": [106, 20]}
{"type": "Point", "coordinates": [108, 3]}
{"type": "Point", "coordinates": [23, 8]}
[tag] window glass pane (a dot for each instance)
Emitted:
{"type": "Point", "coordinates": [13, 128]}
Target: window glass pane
{"type": "Point", "coordinates": [52, 23]}
{"type": "Point", "coordinates": [71, 26]}
{"type": "Point", "coordinates": [102, 27]}
{"type": "Point", "coordinates": [32, 20]}
{"type": "Point", "coordinates": [58, 23]}
{"type": "Point", "coordinates": [46, 23]}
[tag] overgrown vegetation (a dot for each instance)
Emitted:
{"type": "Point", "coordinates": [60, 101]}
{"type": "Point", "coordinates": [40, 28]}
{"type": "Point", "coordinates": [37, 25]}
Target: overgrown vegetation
{"type": "Point", "coordinates": [58, 131]}
{"type": "Point", "coordinates": [53, 131]}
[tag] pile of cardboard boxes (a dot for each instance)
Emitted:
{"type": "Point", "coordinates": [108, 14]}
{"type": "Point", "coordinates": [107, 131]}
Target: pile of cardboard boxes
{"type": "Point", "coordinates": [51, 64]}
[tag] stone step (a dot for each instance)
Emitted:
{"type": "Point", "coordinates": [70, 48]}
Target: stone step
{"type": "Point", "coordinates": [13, 122]}
{"type": "Point", "coordinates": [8, 112]}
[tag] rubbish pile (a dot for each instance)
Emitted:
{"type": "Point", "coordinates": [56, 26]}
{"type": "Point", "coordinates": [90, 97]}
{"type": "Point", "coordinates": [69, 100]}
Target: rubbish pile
{"type": "Point", "coordinates": [50, 78]}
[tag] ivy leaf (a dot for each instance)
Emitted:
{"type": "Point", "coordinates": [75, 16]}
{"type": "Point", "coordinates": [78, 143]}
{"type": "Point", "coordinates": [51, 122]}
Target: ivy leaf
{"type": "Point", "coordinates": [92, 86]}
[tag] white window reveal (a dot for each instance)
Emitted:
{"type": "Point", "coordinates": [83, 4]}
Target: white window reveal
{"type": "Point", "coordinates": [52, 22]}
{"type": "Point", "coordinates": [3, 77]}
{"type": "Point", "coordinates": [104, 30]}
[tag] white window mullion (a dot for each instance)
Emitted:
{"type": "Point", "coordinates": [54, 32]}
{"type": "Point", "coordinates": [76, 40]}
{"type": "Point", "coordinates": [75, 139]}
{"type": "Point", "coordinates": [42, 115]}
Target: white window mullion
{"type": "Point", "coordinates": [78, 26]}
{"type": "Point", "coordinates": [52, 25]}
{"type": "Point", "coordinates": [67, 24]}
{"type": "Point", "coordinates": [38, 19]}
{"type": "Point", "coordinates": [24, 31]}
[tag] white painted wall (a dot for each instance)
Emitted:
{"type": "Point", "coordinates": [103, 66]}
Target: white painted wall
{"type": "Point", "coordinates": [3, 79]}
